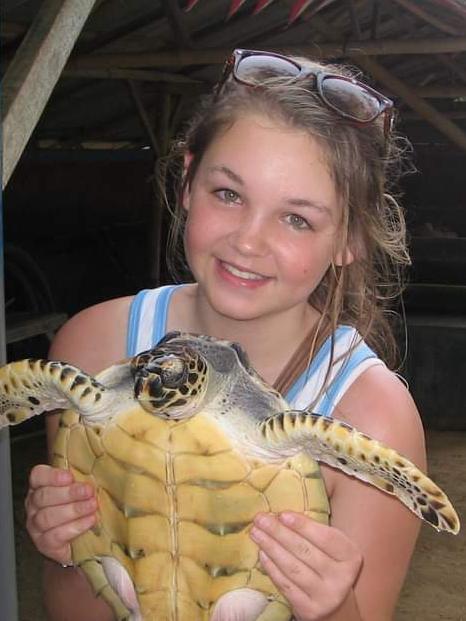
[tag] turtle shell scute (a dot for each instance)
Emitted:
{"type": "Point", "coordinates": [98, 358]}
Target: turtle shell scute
{"type": "Point", "coordinates": [176, 502]}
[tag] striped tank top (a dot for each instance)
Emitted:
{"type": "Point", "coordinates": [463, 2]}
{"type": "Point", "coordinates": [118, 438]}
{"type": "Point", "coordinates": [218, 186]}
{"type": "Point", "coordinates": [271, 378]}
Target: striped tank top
{"type": "Point", "coordinates": [147, 325]}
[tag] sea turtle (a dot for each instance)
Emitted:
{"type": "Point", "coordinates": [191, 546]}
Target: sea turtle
{"type": "Point", "coordinates": [184, 444]}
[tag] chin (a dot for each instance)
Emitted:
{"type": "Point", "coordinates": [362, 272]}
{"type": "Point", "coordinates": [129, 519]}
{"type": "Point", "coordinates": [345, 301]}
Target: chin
{"type": "Point", "coordinates": [236, 310]}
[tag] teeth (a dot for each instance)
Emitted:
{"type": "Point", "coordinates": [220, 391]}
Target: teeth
{"type": "Point", "coordinates": [241, 274]}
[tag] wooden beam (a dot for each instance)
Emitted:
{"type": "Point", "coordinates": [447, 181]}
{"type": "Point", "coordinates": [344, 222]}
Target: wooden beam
{"type": "Point", "coordinates": [176, 18]}
{"type": "Point", "coordinates": [162, 129]}
{"type": "Point", "coordinates": [441, 92]}
{"type": "Point", "coordinates": [34, 71]}
{"type": "Point", "coordinates": [453, 66]}
{"type": "Point", "coordinates": [395, 85]}
{"type": "Point", "coordinates": [131, 74]}
{"type": "Point", "coordinates": [410, 115]}
{"type": "Point", "coordinates": [456, 6]}
{"type": "Point", "coordinates": [181, 58]}
{"type": "Point", "coordinates": [12, 30]}
{"type": "Point", "coordinates": [136, 94]}
{"type": "Point", "coordinates": [423, 14]}
{"type": "Point", "coordinates": [424, 109]}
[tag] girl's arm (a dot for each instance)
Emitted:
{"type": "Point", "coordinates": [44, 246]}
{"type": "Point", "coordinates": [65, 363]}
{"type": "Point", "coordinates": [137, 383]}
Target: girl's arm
{"type": "Point", "coordinates": [384, 530]}
{"type": "Point", "coordinates": [355, 568]}
{"type": "Point", "coordinates": [57, 508]}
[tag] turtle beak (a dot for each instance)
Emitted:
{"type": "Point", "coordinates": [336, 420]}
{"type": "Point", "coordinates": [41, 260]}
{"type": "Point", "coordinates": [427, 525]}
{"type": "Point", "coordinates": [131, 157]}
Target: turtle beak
{"type": "Point", "coordinates": [157, 394]}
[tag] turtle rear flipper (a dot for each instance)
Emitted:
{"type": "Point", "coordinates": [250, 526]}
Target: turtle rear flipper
{"type": "Point", "coordinates": [344, 447]}
{"type": "Point", "coordinates": [30, 387]}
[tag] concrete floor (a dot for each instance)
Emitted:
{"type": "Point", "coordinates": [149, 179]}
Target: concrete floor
{"type": "Point", "coordinates": [434, 591]}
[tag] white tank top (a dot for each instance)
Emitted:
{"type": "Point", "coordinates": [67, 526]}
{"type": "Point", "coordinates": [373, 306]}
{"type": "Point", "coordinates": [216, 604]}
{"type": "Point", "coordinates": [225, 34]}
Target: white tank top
{"type": "Point", "coordinates": [147, 325]}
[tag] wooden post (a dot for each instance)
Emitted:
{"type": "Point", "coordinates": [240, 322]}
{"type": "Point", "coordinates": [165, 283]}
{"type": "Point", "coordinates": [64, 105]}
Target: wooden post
{"type": "Point", "coordinates": [164, 137]}
{"type": "Point", "coordinates": [34, 71]}
{"type": "Point", "coordinates": [424, 109]}
{"type": "Point", "coordinates": [8, 592]}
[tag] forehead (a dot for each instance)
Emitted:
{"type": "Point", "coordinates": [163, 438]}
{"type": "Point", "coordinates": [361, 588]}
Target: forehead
{"type": "Point", "coordinates": [260, 130]}
{"type": "Point", "coordinates": [263, 150]}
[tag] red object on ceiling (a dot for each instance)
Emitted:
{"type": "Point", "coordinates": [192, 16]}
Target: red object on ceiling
{"type": "Point", "coordinates": [260, 5]}
{"type": "Point", "coordinates": [234, 7]}
{"type": "Point", "coordinates": [296, 10]}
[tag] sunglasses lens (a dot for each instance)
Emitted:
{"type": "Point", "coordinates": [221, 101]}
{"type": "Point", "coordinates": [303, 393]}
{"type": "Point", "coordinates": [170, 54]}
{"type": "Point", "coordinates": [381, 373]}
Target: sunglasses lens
{"type": "Point", "coordinates": [258, 67]}
{"type": "Point", "coordinates": [351, 99]}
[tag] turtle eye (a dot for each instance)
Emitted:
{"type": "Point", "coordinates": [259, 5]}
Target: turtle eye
{"type": "Point", "coordinates": [173, 371]}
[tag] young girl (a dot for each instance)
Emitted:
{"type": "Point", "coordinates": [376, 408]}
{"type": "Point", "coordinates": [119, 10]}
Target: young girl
{"type": "Point", "coordinates": [289, 234]}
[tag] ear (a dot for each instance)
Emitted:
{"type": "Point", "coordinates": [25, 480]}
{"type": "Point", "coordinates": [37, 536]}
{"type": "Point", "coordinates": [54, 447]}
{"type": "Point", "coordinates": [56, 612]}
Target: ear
{"type": "Point", "coordinates": [344, 257]}
{"type": "Point", "coordinates": [188, 158]}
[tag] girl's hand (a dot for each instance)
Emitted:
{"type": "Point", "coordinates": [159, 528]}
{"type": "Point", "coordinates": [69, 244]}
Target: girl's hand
{"type": "Point", "coordinates": [58, 510]}
{"type": "Point", "coordinates": [314, 566]}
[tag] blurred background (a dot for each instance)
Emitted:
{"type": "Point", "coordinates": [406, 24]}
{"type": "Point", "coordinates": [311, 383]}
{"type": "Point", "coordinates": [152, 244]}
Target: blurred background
{"type": "Point", "coordinates": [93, 94]}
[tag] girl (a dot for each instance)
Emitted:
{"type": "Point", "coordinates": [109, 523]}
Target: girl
{"type": "Point", "coordinates": [288, 232]}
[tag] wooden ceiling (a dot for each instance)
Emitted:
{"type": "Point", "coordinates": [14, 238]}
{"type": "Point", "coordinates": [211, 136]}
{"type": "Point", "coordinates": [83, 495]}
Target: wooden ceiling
{"type": "Point", "coordinates": [123, 74]}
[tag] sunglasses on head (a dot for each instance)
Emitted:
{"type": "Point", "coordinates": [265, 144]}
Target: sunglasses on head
{"type": "Point", "coordinates": [348, 97]}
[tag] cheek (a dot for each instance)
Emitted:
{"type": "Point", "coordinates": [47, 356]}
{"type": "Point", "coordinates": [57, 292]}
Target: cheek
{"type": "Point", "coordinates": [307, 261]}
{"type": "Point", "coordinates": [199, 233]}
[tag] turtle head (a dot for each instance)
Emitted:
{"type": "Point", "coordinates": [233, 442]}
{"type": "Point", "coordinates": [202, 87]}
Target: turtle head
{"type": "Point", "coordinates": [170, 381]}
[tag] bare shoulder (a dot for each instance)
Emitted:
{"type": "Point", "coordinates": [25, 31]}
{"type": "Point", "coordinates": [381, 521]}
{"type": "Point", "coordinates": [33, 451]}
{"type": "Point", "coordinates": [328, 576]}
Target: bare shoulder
{"type": "Point", "coordinates": [95, 337]}
{"type": "Point", "coordinates": [379, 404]}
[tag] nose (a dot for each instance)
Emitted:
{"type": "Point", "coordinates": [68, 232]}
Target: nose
{"type": "Point", "coordinates": [250, 236]}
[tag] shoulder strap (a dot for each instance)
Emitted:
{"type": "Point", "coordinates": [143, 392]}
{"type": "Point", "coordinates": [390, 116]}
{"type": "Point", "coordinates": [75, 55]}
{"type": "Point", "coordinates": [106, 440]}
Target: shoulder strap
{"type": "Point", "coordinates": [299, 361]}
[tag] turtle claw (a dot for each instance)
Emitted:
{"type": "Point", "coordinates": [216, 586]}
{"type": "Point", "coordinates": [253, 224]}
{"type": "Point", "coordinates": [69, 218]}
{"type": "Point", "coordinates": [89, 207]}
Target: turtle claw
{"type": "Point", "coordinates": [339, 445]}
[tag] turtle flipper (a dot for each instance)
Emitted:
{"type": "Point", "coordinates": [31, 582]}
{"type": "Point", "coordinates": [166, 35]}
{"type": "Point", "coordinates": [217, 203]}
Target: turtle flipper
{"type": "Point", "coordinates": [30, 387]}
{"type": "Point", "coordinates": [344, 447]}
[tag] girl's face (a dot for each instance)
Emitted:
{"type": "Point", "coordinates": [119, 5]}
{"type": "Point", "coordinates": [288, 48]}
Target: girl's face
{"type": "Point", "coordinates": [262, 222]}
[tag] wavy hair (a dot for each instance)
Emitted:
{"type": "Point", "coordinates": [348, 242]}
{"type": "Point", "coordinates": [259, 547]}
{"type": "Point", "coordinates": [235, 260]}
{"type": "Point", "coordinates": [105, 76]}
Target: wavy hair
{"type": "Point", "coordinates": [365, 166]}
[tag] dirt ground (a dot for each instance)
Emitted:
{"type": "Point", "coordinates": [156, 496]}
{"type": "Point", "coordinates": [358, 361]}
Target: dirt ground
{"type": "Point", "coordinates": [434, 591]}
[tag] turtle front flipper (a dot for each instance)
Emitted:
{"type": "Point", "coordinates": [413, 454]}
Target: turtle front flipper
{"type": "Point", "coordinates": [344, 447]}
{"type": "Point", "coordinates": [30, 387]}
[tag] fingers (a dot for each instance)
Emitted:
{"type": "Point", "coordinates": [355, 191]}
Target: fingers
{"type": "Point", "coordinates": [315, 566]}
{"type": "Point", "coordinates": [49, 496]}
{"type": "Point", "coordinates": [286, 550]}
{"type": "Point", "coordinates": [331, 541]}
{"type": "Point", "coordinates": [299, 599]}
{"type": "Point", "coordinates": [43, 475]}
{"type": "Point", "coordinates": [55, 543]}
{"type": "Point", "coordinates": [58, 510]}
{"type": "Point", "coordinates": [49, 517]}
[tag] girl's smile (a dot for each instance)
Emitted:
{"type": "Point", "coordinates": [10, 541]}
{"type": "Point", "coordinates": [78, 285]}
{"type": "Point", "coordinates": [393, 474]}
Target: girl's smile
{"type": "Point", "coordinates": [240, 276]}
{"type": "Point", "coordinates": [262, 220]}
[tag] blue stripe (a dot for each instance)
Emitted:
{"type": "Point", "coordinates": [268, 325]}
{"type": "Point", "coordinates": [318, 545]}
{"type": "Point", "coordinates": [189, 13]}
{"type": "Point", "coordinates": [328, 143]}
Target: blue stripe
{"type": "Point", "coordinates": [159, 328]}
{"type": "Point", "coordinates": [361, 353]}
{"type": "Point", "coordinates": [133, 322]}
{"type": "Point", "coordinates": [316, 362]}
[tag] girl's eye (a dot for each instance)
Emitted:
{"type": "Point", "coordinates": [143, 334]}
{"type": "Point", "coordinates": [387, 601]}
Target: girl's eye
{"type": "Point", "coordinates": [297, 222]}
{"type": "Point", "coordinates": [228, 196]}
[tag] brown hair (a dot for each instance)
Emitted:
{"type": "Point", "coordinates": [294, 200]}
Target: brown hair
{"type": "Point", "coordinates": [364, 165]}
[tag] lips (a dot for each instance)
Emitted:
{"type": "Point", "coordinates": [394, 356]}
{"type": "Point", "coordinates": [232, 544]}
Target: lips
{"type": "Point", "coordinates": [243, 273]}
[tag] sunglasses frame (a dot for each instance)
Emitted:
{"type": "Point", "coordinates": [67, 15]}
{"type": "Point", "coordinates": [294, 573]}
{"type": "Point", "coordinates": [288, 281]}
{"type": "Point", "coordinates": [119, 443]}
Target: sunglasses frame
{"type": "Point", "coordinates": [386, 105]}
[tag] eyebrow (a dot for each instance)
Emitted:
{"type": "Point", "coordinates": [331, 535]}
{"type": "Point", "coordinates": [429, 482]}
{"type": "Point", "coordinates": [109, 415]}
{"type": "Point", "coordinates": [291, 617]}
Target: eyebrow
{"type": "Point", "coordinates": [303, 202]}
{"type": "Point", "coordinates": [228, 172]}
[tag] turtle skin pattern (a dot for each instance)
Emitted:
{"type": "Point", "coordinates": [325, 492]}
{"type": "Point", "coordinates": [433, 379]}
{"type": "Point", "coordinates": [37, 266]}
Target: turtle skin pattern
{"type": "Point", "coordinates": [176, 502]}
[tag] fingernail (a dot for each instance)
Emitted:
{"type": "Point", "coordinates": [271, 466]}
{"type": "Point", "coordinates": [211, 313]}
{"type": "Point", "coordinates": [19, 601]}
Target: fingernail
{"type": "Point", "coordinates": [263, 556]}
{"type": "Point", "coordinates": [89, 505]}
{"type": "Point", "coordinates": [89, 521]}
{"type": "Point", "coordinates": [256, 534]}
{"type": "Point", "coordinates": [263, 520]}
{"type": "Point", "coordinates": [83, 491]}
{"type": "Point", "coordinates": [64, 476]}
{"type": "Point", "coordinates": [287, 518]}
